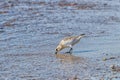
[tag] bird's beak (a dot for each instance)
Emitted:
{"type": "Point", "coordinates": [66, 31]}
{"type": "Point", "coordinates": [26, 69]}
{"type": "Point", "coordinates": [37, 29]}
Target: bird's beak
{"type": "Point", "coordinates": [56, 52]}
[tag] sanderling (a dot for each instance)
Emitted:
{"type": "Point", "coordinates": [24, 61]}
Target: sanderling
{"type": "Point", "coordinates": [68, 42]}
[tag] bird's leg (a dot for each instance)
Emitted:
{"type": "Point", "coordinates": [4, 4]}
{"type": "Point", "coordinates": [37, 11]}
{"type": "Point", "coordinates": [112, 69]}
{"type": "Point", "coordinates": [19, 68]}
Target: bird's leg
{"type": "Point", "coordinates": [70, 51]}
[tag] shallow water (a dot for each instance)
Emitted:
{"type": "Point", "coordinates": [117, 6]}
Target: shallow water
{"type": "Point", "coordinates": [30, 31]}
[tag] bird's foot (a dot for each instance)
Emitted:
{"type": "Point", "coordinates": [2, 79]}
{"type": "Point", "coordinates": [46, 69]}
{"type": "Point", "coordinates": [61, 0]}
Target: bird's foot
{"type": "Point", "coordinates": [68, 52]}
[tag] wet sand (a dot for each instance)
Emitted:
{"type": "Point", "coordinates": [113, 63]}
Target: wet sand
{"type": "Point", "coordinates": [30, 31]}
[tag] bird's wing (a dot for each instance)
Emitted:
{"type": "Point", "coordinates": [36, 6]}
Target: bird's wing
{"type": "Point", "coordinates": [69, 38]}
{"type": "Point", "coordinates": [67, 41]}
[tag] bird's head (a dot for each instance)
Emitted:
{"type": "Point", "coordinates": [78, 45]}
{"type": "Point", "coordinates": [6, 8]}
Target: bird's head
{"type": "Point", "coordinates": [58, 48]}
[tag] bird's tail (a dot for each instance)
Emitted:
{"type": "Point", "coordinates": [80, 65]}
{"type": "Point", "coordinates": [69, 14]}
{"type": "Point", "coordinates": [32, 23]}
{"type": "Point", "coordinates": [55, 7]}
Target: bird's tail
{"type": "Point", "coordinates": [81, 35]}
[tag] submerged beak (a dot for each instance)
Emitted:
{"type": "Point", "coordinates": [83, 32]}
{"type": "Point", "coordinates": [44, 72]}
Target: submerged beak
{"type": "Point", "coordinates": [56, 52]}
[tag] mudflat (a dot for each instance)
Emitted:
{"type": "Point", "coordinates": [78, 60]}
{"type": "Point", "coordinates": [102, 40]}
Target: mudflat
{"type": "Point", "coordinates": [30, 30]}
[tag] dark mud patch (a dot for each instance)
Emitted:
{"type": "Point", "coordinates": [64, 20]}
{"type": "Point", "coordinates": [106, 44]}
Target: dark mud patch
{"type": "Point", "coordinates": [85, 6]}
{"type": "Point", "coordinates": [9, 23]}
{"type": "Point", "coordinates": [62, 4]}
{"type": "Point", "coordinates": [77, 6]}
{"type": "Point", "coordinates": [3, 12]}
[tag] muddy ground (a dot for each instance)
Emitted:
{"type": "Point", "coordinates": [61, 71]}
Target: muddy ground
{"type": "Point", "coordinates": [31, 29]}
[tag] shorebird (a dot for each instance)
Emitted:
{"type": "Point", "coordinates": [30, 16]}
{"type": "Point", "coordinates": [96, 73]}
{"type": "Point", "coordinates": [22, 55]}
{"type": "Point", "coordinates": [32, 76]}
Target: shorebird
{"type": "Point", "coordinates": [68, 42]}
